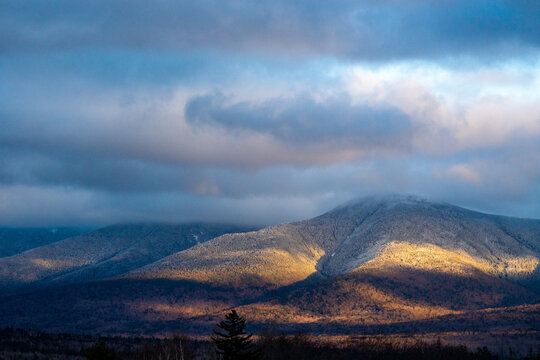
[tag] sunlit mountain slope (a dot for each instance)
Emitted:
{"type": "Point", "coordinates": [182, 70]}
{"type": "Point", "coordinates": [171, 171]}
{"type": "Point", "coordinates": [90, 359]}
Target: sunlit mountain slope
{"type": "Point", "coordinates": [395, 231]}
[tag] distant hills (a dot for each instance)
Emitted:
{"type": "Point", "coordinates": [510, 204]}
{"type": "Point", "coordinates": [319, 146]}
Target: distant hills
{"type": "Point", "coordinates": [104, 253]}
{"type": "Point", "coordinates": [378, 264]}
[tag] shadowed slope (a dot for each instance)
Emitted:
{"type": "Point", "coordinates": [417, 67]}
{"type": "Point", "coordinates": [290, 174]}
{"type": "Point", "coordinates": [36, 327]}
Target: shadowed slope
{"type": "Point", "coordinates": [344, 304]}
{"type": "Point", "coordinates": [369, 296]}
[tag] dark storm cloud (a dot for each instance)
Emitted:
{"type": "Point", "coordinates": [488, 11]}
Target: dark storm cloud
{"type": "Point", "coordinates": [352, 29]}
{"type": "Point", "coordinates": [98, 173]}
{"type": "Point", "coordinates": [303, 120]}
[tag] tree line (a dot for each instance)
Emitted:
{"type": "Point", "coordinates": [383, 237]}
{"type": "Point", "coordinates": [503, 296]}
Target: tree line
{"type": "Point", "coordinates": [230, 341]}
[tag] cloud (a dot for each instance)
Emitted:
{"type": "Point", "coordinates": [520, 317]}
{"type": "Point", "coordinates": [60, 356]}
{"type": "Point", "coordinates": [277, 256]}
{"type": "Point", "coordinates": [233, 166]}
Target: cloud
{"type": "Point", "coordinates": [465, 173]}
{"type": "Point", "coordinates": [54, 206]}
{"type": "Point", "coordinates": [302, 121]}
{"type": "Point", "coordinates": [385, 129]}
{"type": "Point", "coordinates": [452, 110]}
{"type": "Point", "coordinates": [264, 111]}
{"type": "Point", "coordinates": [346, 29]}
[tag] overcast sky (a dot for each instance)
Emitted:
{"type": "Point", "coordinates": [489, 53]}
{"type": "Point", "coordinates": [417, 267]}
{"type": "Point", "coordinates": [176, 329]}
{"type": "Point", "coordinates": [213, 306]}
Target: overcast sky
{"type": "Point", "coordinates": [264, 111]}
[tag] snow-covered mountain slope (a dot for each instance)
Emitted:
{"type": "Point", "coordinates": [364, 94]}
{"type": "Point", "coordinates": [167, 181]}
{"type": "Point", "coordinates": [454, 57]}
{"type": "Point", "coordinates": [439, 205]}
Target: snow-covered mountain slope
{"type": "Point", "coordinates": [393, 231]}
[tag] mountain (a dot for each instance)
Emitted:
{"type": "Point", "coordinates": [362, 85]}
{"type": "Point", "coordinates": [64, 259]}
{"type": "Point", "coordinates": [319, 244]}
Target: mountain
{"type": "Point", "coordinates": [371, 261]}
{"type": "Point", "coordinates": [103, 253]}
{"type": "Point", "coordinates": [377, 264]}
{"type": "Point", "coordinates": [389, 232]}
{"type": "Point", "coordinates": [16, 240]}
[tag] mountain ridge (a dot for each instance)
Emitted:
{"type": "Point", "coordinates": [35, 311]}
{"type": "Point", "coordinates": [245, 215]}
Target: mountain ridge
{"type": "Point", "coordinates": [103, 253]}
{"type": "Point", "coordinates": [367, 228]}
{"type": "Point", "coordinates": [15, 240]}
{"type": "Point", "coordinates": [371, 262]}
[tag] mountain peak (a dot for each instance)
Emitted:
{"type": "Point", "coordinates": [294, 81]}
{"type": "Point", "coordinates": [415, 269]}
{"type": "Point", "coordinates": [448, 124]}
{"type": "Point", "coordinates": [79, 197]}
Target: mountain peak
{"type": "Point", "coordinates": [386, 199]}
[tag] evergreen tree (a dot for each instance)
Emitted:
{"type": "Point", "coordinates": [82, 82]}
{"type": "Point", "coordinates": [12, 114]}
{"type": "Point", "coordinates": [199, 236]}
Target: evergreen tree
{"type": "Point", "coordinates": [99, 351]}
{"type": "Point", "coordinates": [231, 341]}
